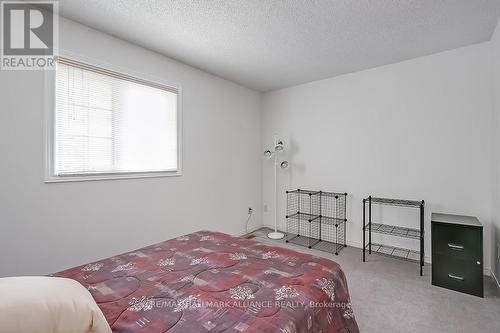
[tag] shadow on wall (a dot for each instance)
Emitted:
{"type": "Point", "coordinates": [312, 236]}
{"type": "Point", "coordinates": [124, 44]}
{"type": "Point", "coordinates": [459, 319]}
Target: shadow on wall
{"type": "Point", "coordinates": [495, 244]}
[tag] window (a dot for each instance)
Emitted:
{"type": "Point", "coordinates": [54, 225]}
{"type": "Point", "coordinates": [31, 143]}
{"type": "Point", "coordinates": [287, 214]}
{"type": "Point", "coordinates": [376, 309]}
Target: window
{"type": "Point", "coordinates": [110, 125]}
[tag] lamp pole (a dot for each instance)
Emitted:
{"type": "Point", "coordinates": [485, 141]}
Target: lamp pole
{"type": "Point", "coordinates": [275, 186]}
{"type": "Point", "coordinates": [276, 234]}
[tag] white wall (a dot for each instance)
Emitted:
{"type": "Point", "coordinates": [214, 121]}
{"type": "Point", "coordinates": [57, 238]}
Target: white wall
{"type": "Point", "coordinates": [49, 227]}
{"type": "Point", "coordinates": [419, 129]}
{"type": "Point", "coordinates": [416, 129]}
{"type": "Point", "coordinates": [495, 235]}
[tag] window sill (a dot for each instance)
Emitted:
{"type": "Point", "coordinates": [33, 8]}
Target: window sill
{"type": "Point", "coordinates": [84, 178]}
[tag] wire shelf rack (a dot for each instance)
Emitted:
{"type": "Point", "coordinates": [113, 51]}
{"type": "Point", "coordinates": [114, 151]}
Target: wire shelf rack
{"type": "Point", "coordinates": [396, 202]}
{"type": "Point", "coordinates": [396, 252]}
{"type": "Point", "coordinates": [395, 230]}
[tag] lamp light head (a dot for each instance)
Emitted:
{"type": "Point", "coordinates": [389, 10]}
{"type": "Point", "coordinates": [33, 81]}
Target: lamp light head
{"type": "Point", "coordinates": [279, 146]}
{"type": "Point", "coordinates": [284, 165]}
{"type": "Point", "coordinates": [268, 154]}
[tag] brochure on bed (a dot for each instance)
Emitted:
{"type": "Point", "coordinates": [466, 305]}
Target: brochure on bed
{"type": "Point", "coordinates": [213, 282]}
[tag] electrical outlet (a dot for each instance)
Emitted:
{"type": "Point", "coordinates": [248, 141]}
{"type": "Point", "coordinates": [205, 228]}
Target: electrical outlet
{"type": "Point", "coordinates": [250, 210]}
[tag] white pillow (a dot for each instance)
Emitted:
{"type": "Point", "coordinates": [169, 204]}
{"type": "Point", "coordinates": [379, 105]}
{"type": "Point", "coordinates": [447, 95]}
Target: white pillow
{"type": "Point", "coordinates": [48, 305]}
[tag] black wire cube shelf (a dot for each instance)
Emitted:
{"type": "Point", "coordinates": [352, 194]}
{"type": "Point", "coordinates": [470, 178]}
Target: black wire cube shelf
{"type": "Point", "coordinates": [316, 244]}
{"type": "Point", "coordinates": [303, 216]}
{"type": "Point", "coordinates": [316, 219]}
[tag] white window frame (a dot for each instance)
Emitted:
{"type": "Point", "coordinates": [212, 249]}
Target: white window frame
{"type": "Point", "coordinates": [49, 124]}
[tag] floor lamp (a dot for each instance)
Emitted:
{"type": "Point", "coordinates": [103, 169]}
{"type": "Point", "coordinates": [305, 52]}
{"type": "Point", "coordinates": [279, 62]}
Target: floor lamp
{"type": "Point", "coordinates": [279, 147]}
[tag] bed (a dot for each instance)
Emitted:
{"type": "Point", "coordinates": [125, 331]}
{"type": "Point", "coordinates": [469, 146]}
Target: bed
{"type": "Point", "coordinates": [212, 282]}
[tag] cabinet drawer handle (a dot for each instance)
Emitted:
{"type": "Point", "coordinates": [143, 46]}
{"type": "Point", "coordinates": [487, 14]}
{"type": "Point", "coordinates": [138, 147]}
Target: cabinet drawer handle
{"type": "Point", "coordinates": [455, 246]}
{"type": "Point", "coordinates": [455, 277]}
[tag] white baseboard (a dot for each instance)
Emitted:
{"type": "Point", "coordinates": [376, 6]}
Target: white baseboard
{"type": "Point", "coordinates": [427, 259]}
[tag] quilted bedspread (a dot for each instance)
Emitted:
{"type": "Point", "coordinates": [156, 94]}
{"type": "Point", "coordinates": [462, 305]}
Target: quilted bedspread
{"type": "Point", "coordinates": [213, 282]}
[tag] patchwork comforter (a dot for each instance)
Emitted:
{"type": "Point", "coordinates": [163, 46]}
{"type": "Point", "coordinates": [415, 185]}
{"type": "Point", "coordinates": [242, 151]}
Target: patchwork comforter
{"type": "Point", "coordinates": [213, 282]}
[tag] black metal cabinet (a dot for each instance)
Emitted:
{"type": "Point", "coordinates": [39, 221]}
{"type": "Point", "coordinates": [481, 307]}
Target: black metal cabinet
{"type": "Point", "coordinates": [457, 253]}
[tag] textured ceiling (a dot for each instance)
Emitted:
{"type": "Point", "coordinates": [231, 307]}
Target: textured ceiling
{"type": "Point", "coordinates": [270, 44]}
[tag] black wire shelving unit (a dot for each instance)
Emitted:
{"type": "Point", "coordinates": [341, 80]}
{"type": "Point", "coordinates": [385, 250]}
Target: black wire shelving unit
{"type": "Point", "coordinates": [316, 219]}
{"type": "Point", "coordinates": [393, 230]}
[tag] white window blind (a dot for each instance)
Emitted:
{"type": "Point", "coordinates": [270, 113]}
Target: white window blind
{"type": "Point", "coordinates": [109, 123]}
